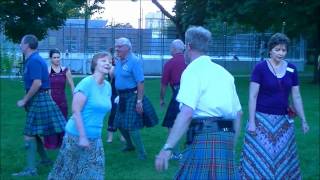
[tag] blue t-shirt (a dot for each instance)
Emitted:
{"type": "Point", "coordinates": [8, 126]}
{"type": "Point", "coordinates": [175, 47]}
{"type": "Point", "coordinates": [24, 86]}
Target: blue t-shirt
{"type": "Point", "coordinates": [97, 105]}
{"type": "Point", "coordinates": [128, 72]}
{"type": "Point", "coordinates": [36, 68]}
{"type": "Point", "coordinates": [273, 92]}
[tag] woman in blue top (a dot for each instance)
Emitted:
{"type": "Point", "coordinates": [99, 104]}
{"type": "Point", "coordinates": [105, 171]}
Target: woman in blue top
{"type": "Point", "coordinates": [82, 155]}
{"type": "Point", "coordinates": [270, 150]}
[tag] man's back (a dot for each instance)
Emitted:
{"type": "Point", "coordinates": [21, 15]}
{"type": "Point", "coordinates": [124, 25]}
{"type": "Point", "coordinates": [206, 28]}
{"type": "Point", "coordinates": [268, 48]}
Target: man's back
{"type": "Point", "coordinates": [209, 89]}
{"type": "Point", "coordinates": [173, 70]}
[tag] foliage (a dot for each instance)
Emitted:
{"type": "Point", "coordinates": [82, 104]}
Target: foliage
{"type": "Point", "coordinates": [5, 63]}
{"type": "Point", "coordinates": [294, 18]}
{"type": "Point", "coordinates": [34, 16]}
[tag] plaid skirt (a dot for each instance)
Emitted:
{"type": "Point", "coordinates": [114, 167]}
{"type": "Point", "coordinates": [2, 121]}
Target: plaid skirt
{"type": "Point", "coordinates": [43, 116]}
{"type": "Point", "coordinates": [172, 111]}
{"type": "Point", "coordinates": [272, 153]}
{"type": "Point", "coordinates": [210, 156]}
{"type": "Point", "coordinates": [78, 163]}
{"type": "Point", "coordinates": [130, 119]}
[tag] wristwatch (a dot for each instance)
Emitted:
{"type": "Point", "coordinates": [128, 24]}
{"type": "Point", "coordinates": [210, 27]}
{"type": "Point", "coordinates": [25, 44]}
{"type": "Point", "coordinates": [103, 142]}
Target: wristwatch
{"type": "Point", "coordinates": [166, 147]}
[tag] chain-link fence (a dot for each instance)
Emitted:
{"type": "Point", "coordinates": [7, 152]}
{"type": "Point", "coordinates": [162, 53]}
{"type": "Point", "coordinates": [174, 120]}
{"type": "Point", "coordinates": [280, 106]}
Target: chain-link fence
{"type": "Point", "coordinates": [238, 51]}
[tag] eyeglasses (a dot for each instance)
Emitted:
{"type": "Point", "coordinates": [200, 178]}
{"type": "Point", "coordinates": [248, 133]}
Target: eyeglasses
{"type": "Point", "coordinates": [119, 46]}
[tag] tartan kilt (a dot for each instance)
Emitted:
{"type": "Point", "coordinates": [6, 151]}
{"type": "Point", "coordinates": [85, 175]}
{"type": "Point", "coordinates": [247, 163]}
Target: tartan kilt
{"type": "Point", "coordinates": [210, 156]}
{"type": "Point", "coordinates": [150, 117]}
{"type": "Point", "coordinates": [130, 119]}
{"type": "Point", "coordinates": [171, 114]}
{"type": "Point", "coordinates": [75, 162]}
{"type": "Point", "coordinates": [43, 116]}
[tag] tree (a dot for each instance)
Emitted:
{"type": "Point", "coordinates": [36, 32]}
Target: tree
{"type": "Point", "coordinates": [177, 19]}
{"type": "Point", "coordinates": [295, 18]}
{"type": "Point", "coordinates": [33, 16]}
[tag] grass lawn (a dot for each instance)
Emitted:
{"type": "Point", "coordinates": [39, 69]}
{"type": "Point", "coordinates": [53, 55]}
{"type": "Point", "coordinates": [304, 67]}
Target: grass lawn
{"type": "Point", "coordinates": [125, 165]}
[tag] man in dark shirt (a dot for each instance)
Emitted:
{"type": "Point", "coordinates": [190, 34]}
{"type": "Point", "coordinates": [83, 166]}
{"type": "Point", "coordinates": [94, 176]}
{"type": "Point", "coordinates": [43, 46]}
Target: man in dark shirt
{"type": "Point", "coordinates": [171, 75]}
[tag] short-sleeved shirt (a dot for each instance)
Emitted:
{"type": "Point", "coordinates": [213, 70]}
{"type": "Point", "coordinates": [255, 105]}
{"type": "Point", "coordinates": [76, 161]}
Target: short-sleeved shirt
{"type": "Point", "coordinates": [36, 68]}
{"type": "Point", "coordinates": [98, 103]}
{"type": "Point", "coordinates": [209, 90]}
{"type": "Point", "coordinates": [128, 72]}
{"type": "Point", "coordinates": [173, 69]}
{"type": "Point", "coordinates": [273, 92]}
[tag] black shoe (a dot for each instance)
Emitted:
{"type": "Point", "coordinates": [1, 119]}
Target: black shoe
{"type": "Point", "coordinates": [127, 149]}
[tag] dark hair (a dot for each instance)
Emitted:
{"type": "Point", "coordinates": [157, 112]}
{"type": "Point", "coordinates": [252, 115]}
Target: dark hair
{"type": "Point", "coordinates": [31, 40]}
{"type": "Point", "coordinates": [95, 59]}
{"type": "Point", "coordinates": [53, 51]}
{"type": "Point", "coordinates": [276, 39]}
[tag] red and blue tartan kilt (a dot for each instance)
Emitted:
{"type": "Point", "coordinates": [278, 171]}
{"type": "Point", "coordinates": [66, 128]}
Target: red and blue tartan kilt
{"type": "Point", "coordinates": [210, 156]}
{"type": "Point", "coordinates": [43, 116]}
{"type": "Point", "coordinates": [130, 119]}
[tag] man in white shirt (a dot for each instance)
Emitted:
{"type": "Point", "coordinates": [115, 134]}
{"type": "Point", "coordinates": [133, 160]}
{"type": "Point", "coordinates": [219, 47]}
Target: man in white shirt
{"type": "Point", "coordinates": [210, 110]}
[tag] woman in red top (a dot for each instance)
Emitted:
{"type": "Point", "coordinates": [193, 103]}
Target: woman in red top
{"type": "Point", "coordinates": [58, 75]}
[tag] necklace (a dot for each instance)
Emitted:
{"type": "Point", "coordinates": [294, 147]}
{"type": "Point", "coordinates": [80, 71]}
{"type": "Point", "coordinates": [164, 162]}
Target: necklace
{"type": "Point", "coordinates": [276, 74]}
{"type": "Point", "coordinates": [274, 70]}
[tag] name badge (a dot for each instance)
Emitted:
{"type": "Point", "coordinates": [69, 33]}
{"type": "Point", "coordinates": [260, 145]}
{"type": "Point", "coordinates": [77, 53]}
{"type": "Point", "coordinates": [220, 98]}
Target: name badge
{"type": "Point", "coordinates": [290, 69]}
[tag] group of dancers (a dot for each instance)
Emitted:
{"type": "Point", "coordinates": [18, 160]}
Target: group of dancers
{"type": "Point", "coordinates": [204, 106]}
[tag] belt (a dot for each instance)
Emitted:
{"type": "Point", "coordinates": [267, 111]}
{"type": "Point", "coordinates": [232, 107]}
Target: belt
{"type": "Point", "coordinates": [208, 124]}
{"type": "Point", "coordinates": [123, 91]}
{"type": "Point", "coordinates": [43, 90]}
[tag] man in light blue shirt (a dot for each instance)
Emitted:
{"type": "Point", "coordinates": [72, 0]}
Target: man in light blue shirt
{"type": "Point", "coordinates": [133, 105]}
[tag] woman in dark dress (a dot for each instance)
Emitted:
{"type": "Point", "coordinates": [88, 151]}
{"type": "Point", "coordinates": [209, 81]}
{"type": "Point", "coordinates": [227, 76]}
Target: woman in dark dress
{"type": "Point", "coordinates": [58, 76]}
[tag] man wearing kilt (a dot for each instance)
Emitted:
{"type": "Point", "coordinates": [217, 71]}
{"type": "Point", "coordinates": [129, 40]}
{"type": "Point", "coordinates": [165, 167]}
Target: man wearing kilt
{"type": "Point", "coordinates": [43, 115]}
{"type": "Point", "coordinates": [210, 108]}
{"type": "Point", "coordinates": [171, 75]}
{"type": "Point", "coordinates": [133, 106]}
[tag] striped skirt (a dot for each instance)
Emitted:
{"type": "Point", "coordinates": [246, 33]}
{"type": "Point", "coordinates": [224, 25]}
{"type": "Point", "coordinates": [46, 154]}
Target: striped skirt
{"type": "Point", "coordinates": [272, 153]}
{"type": "Point", "coordinates": [43, 116]}
{"type": "Point", "coordinates": [210, 156]}
{"type": "Point", "coordinates": [75, 162]}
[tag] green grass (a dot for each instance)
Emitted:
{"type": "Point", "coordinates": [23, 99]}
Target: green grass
{"type": "Point", "coordinates": [125, 165]}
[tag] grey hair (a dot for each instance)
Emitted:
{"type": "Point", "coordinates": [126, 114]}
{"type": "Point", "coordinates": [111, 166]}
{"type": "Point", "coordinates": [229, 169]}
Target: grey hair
{"type": "Point", "coordinates": [124, 41]}
{"type": "Point", "coordinates": [276, 39]}
{"type": "Point", "coordinates": [198, 38]}
{"type": "Point", "coordinates": [178, 45]}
